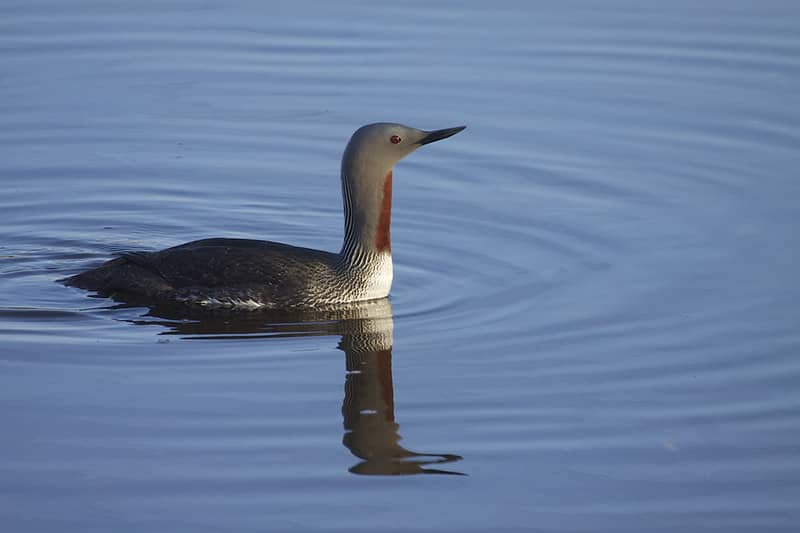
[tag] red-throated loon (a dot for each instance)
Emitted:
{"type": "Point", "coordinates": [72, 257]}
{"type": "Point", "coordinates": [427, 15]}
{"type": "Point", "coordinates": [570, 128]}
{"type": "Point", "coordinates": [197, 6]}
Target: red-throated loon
{"type": "Point", "coordinates": [258, 274]}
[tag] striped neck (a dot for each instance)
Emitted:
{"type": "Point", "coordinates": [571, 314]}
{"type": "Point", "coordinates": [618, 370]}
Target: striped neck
{"type": "Point", "coordinates": [367, 222]}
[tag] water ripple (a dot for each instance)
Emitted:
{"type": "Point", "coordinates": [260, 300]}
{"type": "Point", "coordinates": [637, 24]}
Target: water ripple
{"type": "Point", "coordinates": [595, 284]}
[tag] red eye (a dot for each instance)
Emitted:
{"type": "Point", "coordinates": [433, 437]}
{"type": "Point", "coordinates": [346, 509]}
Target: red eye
{"type": "Point", "coordinates": [395, 139]}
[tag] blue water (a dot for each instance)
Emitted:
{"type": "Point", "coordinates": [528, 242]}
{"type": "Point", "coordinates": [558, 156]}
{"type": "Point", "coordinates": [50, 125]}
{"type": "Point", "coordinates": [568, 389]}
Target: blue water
{"type": "Point", "coordinates": [594, 317]}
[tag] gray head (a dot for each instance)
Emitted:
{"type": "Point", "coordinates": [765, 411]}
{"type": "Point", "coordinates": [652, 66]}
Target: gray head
{"type": "Point", "coordinates": [381, 145]}
{"type": "Point", "coordinates": [367, 166]}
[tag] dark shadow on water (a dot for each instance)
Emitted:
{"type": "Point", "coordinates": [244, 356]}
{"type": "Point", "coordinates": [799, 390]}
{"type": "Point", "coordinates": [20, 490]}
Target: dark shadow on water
{"type": "Point", "coordinates": [371, 432]}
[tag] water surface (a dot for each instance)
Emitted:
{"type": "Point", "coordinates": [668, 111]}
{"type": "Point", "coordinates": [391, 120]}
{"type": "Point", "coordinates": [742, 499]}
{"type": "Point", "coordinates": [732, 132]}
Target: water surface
{"type": "Point", "coordinates": [594, 321]}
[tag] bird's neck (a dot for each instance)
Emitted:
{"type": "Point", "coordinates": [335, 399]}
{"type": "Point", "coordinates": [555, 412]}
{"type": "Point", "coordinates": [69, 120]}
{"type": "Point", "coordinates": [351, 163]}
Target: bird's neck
{"type": "Point", "coordinates": [367, 219]}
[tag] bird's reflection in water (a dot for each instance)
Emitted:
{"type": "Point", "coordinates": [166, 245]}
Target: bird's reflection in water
{"type": "Point", "coordinates": [371, 432]}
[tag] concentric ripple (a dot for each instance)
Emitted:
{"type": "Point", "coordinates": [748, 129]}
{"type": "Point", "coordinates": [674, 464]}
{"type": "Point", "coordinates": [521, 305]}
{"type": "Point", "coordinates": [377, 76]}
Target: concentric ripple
{"type": "Point", "coordinates": [594, 308]}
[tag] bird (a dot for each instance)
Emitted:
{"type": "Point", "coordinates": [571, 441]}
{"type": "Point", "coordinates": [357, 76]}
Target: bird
{"type": "Point", "coordinates": [258, 274]}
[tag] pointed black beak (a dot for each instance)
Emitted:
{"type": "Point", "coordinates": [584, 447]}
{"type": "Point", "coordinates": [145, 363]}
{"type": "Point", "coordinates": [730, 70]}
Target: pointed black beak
{"type": "Point", "coordinates": [438, 135]}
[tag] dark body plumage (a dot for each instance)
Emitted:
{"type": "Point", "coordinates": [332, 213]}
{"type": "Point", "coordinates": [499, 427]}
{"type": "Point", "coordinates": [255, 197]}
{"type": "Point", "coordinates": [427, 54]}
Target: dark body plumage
{"type": "Point", "coordinates": [225, 272]}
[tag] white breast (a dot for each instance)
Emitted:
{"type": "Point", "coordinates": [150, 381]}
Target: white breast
{"type": "Point", "coordinates": [379, 278]}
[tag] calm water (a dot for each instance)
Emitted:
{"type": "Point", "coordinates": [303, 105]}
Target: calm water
{"type": "Point", "coordinates": [595, 312]}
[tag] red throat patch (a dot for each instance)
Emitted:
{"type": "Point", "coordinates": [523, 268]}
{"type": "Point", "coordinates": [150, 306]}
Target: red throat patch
{"type": "Point", "coordinates": [385, 378]}
{"type": "Point", "coordinates": [383, 240]}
